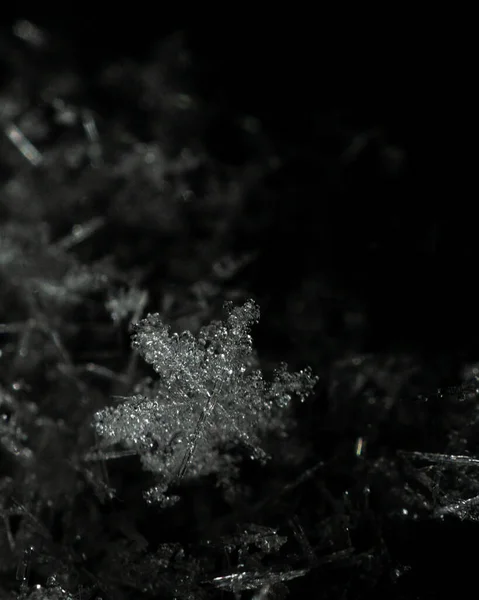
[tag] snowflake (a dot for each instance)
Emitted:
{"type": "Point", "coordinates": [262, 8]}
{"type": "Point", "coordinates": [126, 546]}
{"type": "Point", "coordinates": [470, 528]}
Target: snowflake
{"type": "Point", "coordinates": [210, 396]}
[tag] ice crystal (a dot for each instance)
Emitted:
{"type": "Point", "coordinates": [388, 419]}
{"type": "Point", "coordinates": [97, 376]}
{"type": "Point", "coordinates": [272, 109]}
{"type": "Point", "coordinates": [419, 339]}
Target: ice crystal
{"type": "Point", "coordinates": [253, 580]}
{"type": "Point", "coordinates": [12, 438]}
{"type": "Point", "coordinates": [210, 395]}
{"type": "Point", "coordinates": [127, 303]}
{"type": "Point", "coordinates": [40, 593]}
{"type": "Point", "coordinates": [45, 271]}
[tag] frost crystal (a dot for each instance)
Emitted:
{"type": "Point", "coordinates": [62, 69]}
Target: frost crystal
{"type": "Point", "coordinates": [126, 303]}
{"type": "Point", "coordinates": [210, 396]}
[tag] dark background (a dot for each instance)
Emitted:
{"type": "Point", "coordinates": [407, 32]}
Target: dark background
{"type": "Point", "coordinates": [366, 237]}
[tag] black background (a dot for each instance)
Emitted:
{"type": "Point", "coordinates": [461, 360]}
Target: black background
{"type": "Point", "coordinates": [392, 232]}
